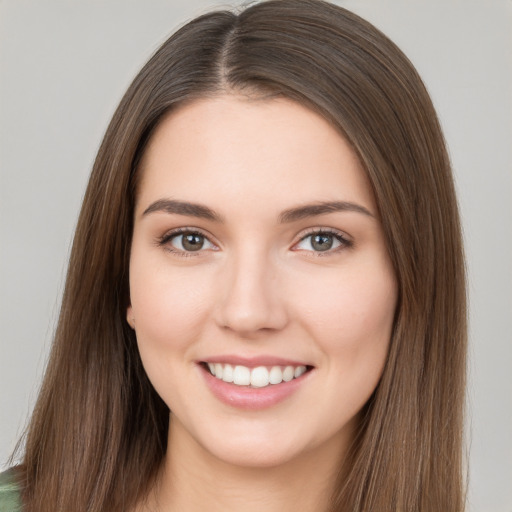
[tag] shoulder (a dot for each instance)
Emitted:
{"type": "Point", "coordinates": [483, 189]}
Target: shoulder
{"type": "Point", "coordinates": [9, 493]}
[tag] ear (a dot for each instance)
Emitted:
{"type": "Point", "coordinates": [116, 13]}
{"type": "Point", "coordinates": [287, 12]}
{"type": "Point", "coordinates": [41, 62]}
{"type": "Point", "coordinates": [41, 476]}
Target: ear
{"type": "Point", "coordinates": [129, 317]}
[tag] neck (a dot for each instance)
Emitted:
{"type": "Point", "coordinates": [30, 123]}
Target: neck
{"type": "Point", "coordinates": [193, 480]}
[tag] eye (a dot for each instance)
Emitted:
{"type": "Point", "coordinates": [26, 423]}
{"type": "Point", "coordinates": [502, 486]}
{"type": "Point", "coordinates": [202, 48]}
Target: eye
{"type": "Point", "coordinates": [187, 241]}
{"type": "Point", "coordinates": [322, 241]}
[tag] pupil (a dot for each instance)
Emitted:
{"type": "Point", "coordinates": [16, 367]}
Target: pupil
{"type": "Point", "coordinates": [322, 242]}
{"type": "Point", "coordinates": [193, 242]}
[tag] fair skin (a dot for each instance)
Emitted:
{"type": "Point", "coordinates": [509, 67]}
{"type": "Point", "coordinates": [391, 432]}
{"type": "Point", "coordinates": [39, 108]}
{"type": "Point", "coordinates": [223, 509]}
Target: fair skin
{"type": "Point", "coordinates": [234, 263]}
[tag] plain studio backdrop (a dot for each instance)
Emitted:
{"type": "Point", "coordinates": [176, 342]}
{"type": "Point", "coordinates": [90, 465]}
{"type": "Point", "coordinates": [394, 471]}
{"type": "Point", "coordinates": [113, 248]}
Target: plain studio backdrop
{"type": "Point", "coordinates": [63, 68]}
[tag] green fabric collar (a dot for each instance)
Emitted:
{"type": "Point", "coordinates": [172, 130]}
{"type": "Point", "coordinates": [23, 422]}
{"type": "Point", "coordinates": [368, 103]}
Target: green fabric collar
{"type": "Point", "coordinates": [9, 492]}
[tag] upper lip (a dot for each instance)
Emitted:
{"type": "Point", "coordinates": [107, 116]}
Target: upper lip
{"type": "Point", "coordinates": [253, 362]}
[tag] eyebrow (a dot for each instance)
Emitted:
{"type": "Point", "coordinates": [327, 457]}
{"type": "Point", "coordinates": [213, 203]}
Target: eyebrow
{"type": "Point", "coordinates": [174, 206]}
{"type": "Point", "coordinates": [312, 210]}
{"type": "Point", "coordinates": [182, 208]}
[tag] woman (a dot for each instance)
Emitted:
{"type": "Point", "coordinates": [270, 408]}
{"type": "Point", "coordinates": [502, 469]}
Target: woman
{"type": "Point", "coordinates": [269, 248]}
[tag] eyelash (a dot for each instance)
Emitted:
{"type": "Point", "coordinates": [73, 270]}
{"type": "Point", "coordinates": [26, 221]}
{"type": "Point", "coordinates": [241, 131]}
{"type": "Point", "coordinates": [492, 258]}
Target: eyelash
{"type": "Point", "coordinates": [345, 243]}
{"type": "Point", "coordinates": [164, 241]}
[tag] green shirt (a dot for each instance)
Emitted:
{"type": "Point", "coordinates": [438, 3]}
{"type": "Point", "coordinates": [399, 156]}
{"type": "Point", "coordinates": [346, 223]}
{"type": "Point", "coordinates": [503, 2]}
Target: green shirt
{"type": "Point", "coordinates": [9, 493]}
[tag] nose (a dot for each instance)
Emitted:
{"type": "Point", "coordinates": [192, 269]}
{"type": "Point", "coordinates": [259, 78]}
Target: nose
{"type": "Point", "coordinates": [252, 300]}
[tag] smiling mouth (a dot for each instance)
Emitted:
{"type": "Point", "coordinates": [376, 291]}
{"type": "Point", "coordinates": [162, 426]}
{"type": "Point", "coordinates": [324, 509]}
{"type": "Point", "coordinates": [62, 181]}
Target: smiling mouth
{"type": "Point", "coordinates": [258, 377]}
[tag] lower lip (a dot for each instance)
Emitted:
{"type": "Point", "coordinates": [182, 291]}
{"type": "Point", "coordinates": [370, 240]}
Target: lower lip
{"type": "Point", "coordinates": [245, 397]}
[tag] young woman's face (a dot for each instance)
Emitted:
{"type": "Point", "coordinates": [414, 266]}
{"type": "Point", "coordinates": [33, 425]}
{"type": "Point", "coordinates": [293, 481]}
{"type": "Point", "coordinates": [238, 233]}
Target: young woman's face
{"type": "Point", "coordinates": [258, 256]}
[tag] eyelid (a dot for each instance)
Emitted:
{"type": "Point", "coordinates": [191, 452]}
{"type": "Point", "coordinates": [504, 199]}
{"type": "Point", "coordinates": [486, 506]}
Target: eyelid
{"type": "Point", "coordinates": [344, 239]}
{"type": "Point", "coordinates": [164, 240]}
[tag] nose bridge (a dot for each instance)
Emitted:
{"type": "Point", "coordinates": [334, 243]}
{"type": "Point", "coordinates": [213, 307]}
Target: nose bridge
{"type": "Point", "coordinates": [252, 299]}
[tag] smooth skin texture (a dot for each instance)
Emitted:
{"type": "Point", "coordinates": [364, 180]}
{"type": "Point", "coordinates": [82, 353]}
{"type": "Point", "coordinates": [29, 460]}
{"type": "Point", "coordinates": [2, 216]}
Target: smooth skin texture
{"type": "Point", "coordinates": [241, 277]}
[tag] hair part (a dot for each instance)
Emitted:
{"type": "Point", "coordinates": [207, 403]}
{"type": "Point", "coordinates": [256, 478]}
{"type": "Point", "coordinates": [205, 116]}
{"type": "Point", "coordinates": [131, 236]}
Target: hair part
{"type": "Point", "coordinates": [98, 433]}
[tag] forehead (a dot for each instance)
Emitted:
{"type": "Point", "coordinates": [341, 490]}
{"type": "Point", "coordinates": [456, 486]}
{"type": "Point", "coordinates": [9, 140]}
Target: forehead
{"type": "Point", "coordinates": [232, 148]}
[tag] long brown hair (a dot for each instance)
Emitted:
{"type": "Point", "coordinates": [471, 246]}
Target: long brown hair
{"type": "Point", "coordinates": [99, 431]}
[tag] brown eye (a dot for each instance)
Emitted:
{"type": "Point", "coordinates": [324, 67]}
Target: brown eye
{"type": "Point", "coordinates": [322, 242]}
{"type": "Point", "coordinates": [190, 242]}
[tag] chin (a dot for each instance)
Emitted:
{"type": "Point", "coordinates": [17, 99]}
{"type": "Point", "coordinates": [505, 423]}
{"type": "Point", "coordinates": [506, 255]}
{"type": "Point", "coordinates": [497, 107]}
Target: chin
{"type": "Point", "coordinates": [255, 456]}
{"type": "Point", "coordinates": [267, 446]}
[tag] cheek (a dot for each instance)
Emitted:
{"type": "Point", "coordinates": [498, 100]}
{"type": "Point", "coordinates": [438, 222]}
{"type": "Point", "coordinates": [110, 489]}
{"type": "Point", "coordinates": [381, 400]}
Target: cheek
{"type": "Point", "coordinates": [169, 308]}
{"type": "Point", "coordinates": [352, 317]}
{"type": "Point", "coordinates": [168, 304]}
{"type": "Point", "coordinates": [352, 324]}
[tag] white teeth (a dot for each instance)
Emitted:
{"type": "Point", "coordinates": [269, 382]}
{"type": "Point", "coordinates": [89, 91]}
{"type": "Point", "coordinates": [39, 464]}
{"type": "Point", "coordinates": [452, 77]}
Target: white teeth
{"type": "Point", "coordinates": [218, 371]}
{"type": "Point", "coordinates": [258, 377]}
{"type": "Point", "coordinates": [300, 370]}
{"type": "Point", "coordinates": [227, 373]}
{"type": "Point", "coordinates": [276, 375]}
{"type": "Point", "coordinates": [241, 376]}
{"type": "Point", "coordinates": [288, 373]}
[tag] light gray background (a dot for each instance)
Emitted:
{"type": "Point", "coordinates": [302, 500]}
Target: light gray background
{"type": "Point", "coordinates": [63, 68]}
